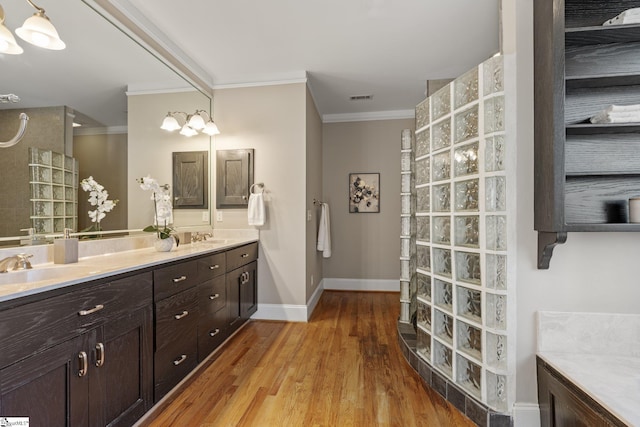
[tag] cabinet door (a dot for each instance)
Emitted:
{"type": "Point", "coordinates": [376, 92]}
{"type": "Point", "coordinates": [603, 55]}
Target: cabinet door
{"type": "Point", "coordinates": [249, 291]}
{"type": "Point", "coordinates": [233, 299]}
{"type": "Point", "coordinates": [234, 176]}
{"type": "Point", "coordinates": [121, 381]}
{"type": "Point", "coordinates": [190, 178]}
{"type": "Point", "coordinates": [50, 387]}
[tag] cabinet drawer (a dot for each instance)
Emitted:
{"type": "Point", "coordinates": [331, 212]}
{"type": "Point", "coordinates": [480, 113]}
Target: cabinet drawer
{"type": "Point", "coordinates": [174, 362]}
{"type": "Point", "coordinates": [170, 280]}
{"type": "Point", "coordinates": [176, 316]}
{"type": "Point", "coordinates": [212, 331]}
{"type": "Point", "coordinates": [43, 324]}
{"type": "Point", "coordinates": [212, 295]}
{"type": "Point", "coordinates": [211, 266]}
{"type": "Point", "coordinates": [240, 256]}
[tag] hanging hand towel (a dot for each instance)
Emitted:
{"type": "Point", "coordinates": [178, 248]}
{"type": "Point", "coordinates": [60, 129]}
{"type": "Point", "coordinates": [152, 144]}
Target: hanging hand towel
{"type": "Point", "coordinates": [324, 232]}
{"type": "Point", "coordinates": [255, 209]}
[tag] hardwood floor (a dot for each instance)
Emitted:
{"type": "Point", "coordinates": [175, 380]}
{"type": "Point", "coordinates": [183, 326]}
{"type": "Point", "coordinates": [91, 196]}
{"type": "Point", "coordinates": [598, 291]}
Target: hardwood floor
{"type": "Point", "coordinates": [342, 368]}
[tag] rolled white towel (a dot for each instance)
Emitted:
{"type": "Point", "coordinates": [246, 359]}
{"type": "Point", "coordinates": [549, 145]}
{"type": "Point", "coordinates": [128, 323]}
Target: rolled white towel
{"type": "Point", "coordinates": [629, 16]}
{"type": "Point", "coordinates": [633, 108]}
{"type": "Point", "coordinates": [616, 118]}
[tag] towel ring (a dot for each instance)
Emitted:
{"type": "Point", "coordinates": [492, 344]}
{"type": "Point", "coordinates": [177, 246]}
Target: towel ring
{"type": "Point", "coordinates": [258, 184]}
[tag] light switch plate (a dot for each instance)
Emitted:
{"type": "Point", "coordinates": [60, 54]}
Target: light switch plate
{"type": "Point", "coordinates": [308, 214]}
{"type": "Point", "coordinates": [219, 216]}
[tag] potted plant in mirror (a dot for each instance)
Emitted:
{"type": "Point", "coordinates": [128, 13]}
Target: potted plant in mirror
{"type": "Point", "coordinates": [165, 233]}
{"type": "Point", "coordinates": [98, 197]}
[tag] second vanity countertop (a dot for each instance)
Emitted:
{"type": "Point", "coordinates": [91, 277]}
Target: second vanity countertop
{"type": "Point", "coordinates": [597, 352]}
{"type": "Point", "coordinates": [48, 276]}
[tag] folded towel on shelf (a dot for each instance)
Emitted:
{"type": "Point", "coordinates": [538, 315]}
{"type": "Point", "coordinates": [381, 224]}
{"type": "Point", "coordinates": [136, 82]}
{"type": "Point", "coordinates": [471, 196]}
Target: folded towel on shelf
{"type": "Point", "coordinates": [324, 232]}
{"type": "Point", "coordinates": [629, 16]}
{"type": "Point", "coordinates": [255, 209]}
{"type": "Point", "coordinates": [617, 114]}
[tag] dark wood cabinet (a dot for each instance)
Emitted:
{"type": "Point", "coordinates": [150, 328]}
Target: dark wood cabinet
{"type": "Point", "coordinates": [234, 176]}
{"type": "Point", "coordinates": [562, 404]}
{"type": "Point", "coordinates": [584, 173]}
{"type": "Point", "coordinates": [242, 291]}
{"type": "Point", "coordinates": [91, 363]}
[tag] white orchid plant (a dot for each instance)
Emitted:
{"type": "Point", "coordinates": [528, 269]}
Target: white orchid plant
{"type": "Point", "coordinates": [98, 197]}
{"type": "Point", "coordinates": [163, 209]}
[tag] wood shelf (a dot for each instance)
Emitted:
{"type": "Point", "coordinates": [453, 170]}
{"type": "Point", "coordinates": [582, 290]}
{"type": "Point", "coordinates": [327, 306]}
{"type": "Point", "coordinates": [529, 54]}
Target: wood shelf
{"type": "Point", "coordinates": [599, 129]}
{"type": "Point", "coordinates": [607, 80]}
{"type": "Point", "coordinates": [587, 36]}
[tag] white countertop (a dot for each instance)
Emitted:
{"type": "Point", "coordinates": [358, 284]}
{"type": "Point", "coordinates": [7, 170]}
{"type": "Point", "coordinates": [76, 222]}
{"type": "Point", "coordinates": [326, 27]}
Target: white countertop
{"type": "Point", "coordinates": [599, 353]}
{"type": "Point", "coordinates": [612, 381]}
{"type": "Point", "coordinates": [48, 276]}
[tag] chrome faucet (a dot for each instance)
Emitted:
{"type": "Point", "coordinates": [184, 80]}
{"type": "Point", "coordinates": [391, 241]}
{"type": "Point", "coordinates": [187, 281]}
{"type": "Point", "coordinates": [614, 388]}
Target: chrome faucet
{"type": "Point", "coordinates": [197, 237]}
{"type": "Point", "coordinates": [15, 262]}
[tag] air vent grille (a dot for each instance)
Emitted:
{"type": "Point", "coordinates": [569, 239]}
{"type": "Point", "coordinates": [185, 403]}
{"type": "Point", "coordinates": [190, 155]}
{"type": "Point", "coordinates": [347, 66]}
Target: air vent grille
{"type": "Point", "coordinates": [360, 97]}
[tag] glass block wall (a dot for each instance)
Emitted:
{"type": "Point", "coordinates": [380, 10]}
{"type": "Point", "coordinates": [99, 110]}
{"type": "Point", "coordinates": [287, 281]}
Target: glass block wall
{"type": "Point", "coordinates": [408, 274]}
{"type": "Point", "coordinates": [461, 233]}
{"type": "Point", "coordinates": [53, 178]}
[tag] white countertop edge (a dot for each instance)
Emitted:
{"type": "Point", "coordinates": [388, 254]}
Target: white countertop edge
{"type": "Point", "coordinates": [112, 264]}
{"type": "Point", "coordinates": [612, 381]}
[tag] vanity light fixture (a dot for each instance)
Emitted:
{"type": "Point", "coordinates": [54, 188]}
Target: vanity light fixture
{"type": "Point", "coordinates": [7, 41]}
{"type": "Point", "coordinates": [37, 30]}
{"type": "Point", "coordinates": [198, 121]}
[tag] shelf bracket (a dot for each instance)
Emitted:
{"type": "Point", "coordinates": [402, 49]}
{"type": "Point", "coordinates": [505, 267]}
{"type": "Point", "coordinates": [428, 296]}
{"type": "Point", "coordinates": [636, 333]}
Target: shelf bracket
{"type": "Point", "coordinates": [546, 242]}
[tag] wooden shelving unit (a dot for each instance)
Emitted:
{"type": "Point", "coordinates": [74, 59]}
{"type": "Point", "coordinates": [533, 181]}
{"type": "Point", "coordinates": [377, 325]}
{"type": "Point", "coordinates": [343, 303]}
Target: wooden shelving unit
{"type": "Point", "coordinates": [584, 173]}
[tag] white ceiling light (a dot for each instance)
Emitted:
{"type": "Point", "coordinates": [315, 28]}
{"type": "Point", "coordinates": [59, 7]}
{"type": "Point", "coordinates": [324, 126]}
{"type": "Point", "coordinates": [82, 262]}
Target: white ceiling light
{"type": "Point", "coordinates": [198, 121]}
{"type": "Point", "coordinates": [39, 31]}
{"type": "Point", "coordinates": [7, 41]}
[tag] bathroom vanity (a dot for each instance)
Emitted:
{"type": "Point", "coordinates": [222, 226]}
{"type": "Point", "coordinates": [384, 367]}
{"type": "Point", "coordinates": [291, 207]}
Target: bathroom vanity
{"type": "Point", "coordinates": [101, 344]}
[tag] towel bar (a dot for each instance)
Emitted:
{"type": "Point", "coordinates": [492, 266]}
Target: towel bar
{"type": "Point", "coordinates": [317, 202]}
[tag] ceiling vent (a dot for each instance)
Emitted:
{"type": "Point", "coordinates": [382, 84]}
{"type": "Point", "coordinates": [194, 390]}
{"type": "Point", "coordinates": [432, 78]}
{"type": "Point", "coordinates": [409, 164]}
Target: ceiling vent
{"type": "Point", "coordinates": [360, 97]}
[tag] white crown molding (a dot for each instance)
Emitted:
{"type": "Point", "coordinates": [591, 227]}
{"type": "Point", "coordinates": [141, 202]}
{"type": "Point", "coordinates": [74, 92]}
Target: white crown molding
{"type": "Point", "coordinates": [369, 116]}
{"type": "Point", "coordinates": [133, 91]}
{"type": "Point", "coordinates": [265, 83]}
{"type": "Point", "coordinates": [111, 130]}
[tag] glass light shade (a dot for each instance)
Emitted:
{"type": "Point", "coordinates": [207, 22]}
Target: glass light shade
{"type": "Point", "coordinates": [196, 122]}
{"type": "Point", "coordinates": [170, 123]}
{"type": "Point", "coordinates": [39, 31]}
{"type": "Point", "coordinates": [8, 43]}
{"type": "Point", "coordinates": [211, 128]}
{"type": "Point", "coordinates": [188, 131]}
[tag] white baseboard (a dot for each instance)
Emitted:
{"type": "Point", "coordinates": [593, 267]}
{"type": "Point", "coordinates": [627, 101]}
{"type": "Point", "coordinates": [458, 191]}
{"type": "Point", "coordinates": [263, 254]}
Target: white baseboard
{"type": "Point", "coordinates": [361, 285]}
{"type": "Point", "coordinates": [313, 301]}
{"type": "Point", "coordinates": [526, 415]}
{"type": "Point", "coordinates": [286, 312]}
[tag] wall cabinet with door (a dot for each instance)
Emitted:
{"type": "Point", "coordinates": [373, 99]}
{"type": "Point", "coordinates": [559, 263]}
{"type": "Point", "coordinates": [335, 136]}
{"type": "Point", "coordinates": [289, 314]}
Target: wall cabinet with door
{"type": "Point", "coordinates": [584, 173]}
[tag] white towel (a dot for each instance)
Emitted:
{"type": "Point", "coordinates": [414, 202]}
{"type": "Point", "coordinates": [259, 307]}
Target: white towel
{"type": "Point", "coordinates": [255, 209]}
{"type": "Point", "coordinates": [324, 232]}
{"type": "Point", "coordinates": [618, 114]}
{"type": "Point", "coordinates": [629, 16]}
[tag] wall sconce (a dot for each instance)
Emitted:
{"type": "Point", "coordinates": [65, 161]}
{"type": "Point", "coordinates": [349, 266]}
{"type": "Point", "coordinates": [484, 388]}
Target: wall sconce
{"type": "Point", "coordinates": [192, 123]}
{"type": "Point", "coordinates": [37, 30]}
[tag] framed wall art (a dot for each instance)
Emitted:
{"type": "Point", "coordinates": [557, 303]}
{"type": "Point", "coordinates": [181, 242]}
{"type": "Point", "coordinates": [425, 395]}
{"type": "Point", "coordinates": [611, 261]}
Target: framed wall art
{"type": "Point", "coordinates": [364, 193]}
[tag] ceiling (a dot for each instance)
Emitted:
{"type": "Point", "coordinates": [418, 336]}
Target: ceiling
{"type": "Point", "coordinates": [384, 48]}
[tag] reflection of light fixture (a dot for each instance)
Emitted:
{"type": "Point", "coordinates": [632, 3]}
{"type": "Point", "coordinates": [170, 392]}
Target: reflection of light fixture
{"type": "Point", "coordinates": [198, 121]}
{"type": "Point", "coordinates": [37, 30]}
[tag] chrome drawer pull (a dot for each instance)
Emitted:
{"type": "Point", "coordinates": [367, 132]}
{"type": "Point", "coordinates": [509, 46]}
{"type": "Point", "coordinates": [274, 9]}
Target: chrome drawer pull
{"type": "Point", "coordinates": [179, 279]}
{"type": "Point", "coordinates": [213, 267]}
{"type": "Point", "coordinates": [214, 296]}
{"type": "Point", "coordinates": [180, 316]}
{"type": "Point", "coordinates": [84, 363]}
{"type": "Point", "coordinates": [214, 332]}
{"type": "Point", "coordinates": [99, 354]}
{"type": "Point", "coordinates": [180, 360]}
{"type": "Point", "coordinates": [244, 255]}
{"type": "Point", "coordinates": [91, 311]}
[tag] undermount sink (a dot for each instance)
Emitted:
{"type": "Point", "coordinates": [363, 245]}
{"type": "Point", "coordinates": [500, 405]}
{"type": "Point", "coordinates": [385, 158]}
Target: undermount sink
{"type": "Point", "coordinates": [217, 241]}
{"type": "Point", "coordinates": [41, 273]}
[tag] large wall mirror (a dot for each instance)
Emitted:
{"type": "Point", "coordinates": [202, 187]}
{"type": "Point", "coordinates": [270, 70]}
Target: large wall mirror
{"type": "Point", "coordinates": [117, 91]}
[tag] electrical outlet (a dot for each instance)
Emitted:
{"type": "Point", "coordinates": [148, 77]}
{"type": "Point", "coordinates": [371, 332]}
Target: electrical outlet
{"type": "Point", "coordinates": [309, 215]}
{"type": "Point", "coordinates": [219, 216]}
{"type": "Point", "coordinates": [312, 280]}
{"type": "Point", "coordinates": [205, 216]}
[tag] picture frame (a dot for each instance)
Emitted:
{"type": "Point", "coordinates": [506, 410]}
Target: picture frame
{"type": "Point", "coordinates": [364, 192]}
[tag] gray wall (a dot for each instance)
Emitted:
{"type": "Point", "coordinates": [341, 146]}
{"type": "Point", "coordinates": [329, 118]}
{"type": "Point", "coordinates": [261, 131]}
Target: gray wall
{"type": "Point", "coordinates": [105, 158]}
{"type": "Point", "coordinates": [365, 245]}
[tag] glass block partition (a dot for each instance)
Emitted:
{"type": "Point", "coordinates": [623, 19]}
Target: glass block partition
{"type": "Point", "coordinates": [408, 275]}
{"type": "Point", "coordinates": [53, 178]}
{"type": "Point", "coordinates": [461, 239]}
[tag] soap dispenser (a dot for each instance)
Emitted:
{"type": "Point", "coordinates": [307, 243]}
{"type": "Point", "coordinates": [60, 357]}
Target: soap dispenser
{"type": "Point", "coordinates": [65, 250]}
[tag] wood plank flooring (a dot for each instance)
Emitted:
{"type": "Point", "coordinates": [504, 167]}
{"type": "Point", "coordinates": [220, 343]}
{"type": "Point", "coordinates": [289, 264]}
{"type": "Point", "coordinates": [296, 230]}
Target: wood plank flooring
{"type": "Point", "coordinates": [342, 368]}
